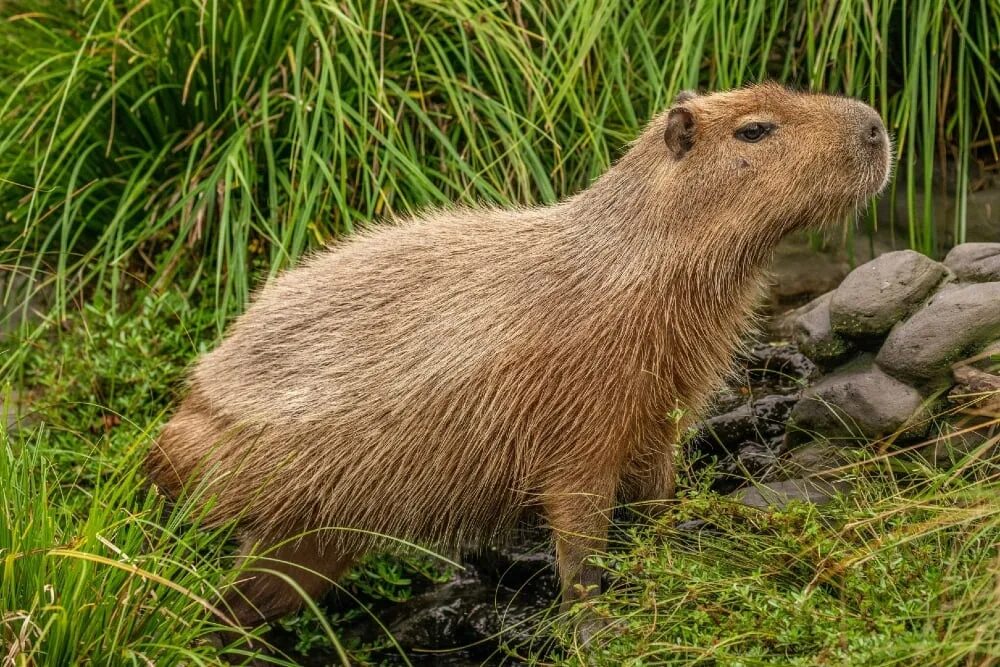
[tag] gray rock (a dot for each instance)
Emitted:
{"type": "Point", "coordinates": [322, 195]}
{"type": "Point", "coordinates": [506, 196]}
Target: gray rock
{"type": "Point", "coordinates": [878, 294]}
{"type": "Point", "coordinates": [860, 402]}
{"type": "Point", "coordinates": [814, 459]}
{"type": "Point", "coordinates": [975, 262]}
{"type": "Point", "coordinates": [751, 460]}
{"type": "Point", "coordinates": [756, 459]}
{"type": "Point", "coordinates": [779, 494]}
{"type": "Point", "coordinates": [814, 335]}
{"type": "Point", "coordinates": [956, 322]}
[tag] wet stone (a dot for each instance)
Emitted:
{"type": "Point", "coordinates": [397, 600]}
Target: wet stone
{"type": "Point", "coordinates": [726, 400]}
{"type": "Point", "coordinates": [957, 322]}
{"type": "Point", "coordinates": [975, 262]}
{"type": "Point", "coordinates": [878, 294]}
{"type": "Point", "coordinates": [498, 599]}
{"type": "Point", "coordinates": [460, 614]}
{"type": "Point", "coordinates": [526, 560]}
{"type": "Point", "coordinates": [811, 459]}
{"type": "Point", "coordinates": [814, 334]}
{"type": "Point", "coordinates": [757, 421]}
{"type": "Point", "coordinates": [779, 365]}
{"type": "Point", "coordinates": [858, 403]}
{"type": "Point", "coordinates": [753, 460]}
{"type": "Point", "coordinates": [777, 495]}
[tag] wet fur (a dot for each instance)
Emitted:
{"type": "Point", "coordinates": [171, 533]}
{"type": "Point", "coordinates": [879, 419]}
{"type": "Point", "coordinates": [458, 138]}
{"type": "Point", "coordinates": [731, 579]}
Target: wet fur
{"type": "Point", "coordinates": [433, 379]}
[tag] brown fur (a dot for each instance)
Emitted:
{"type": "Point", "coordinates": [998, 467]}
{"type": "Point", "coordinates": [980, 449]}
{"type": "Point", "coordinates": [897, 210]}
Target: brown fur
{"type": "Point", "coordinates": [433, 379]}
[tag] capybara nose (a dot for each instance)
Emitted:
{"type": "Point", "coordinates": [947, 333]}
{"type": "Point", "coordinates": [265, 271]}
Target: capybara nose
{"type": "Point", "coordinates": [873, 131]}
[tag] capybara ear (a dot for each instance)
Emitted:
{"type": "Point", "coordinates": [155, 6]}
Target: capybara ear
{"type": "Point", "coordinates": [679, 133]}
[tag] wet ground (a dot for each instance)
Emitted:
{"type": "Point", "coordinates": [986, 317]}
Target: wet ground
{"type": "Point", "coordinates": [499, 599]}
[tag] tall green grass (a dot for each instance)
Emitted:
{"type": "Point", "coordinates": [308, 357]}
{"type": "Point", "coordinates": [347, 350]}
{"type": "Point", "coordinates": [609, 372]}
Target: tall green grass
{"type": "Point", "coordinates": [134, 133]}
{"type": "Point", "coordinates": [93, 568]}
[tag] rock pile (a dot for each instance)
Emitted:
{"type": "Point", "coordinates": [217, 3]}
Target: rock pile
{"type": "Point", "coordinates": [890, 333]}
{"type": "Point", "coordinates": [885, 349]}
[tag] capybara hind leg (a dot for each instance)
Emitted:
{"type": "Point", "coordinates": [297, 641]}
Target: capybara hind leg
{"type": "Point", "coordinates": [274, 580]}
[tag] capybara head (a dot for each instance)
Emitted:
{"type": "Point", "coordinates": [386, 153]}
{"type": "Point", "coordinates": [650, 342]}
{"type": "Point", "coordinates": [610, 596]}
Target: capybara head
{"type": "Point", "coordinates": [766, 155]}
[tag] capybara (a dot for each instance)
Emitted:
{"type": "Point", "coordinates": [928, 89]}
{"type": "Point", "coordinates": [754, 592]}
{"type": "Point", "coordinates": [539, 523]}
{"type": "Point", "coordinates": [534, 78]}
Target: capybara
{"type": "Point", "coordinates": [435, 379]}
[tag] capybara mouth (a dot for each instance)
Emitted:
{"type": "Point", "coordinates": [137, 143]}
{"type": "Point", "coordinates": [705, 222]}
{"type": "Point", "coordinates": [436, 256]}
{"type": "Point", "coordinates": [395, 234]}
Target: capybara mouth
{"type": "Point", "coordinates": [883, 169]}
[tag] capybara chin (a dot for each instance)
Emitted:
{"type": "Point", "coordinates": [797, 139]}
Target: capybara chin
{"type": "Point", "coordinates": [432, 380]}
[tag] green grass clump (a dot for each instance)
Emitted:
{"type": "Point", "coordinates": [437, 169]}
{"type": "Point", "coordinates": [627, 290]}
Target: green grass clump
{"type": "Point", "coordinates": [893, 574]}
{"type": "Point", "coordinates": [99, 579]}
{"type": "Point", "coordinates": [135, 133]}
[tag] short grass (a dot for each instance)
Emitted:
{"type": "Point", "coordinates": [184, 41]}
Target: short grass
{"type": "Point", "coordinates": [94, 569]}
{"type": "Point", "coordinates": [906, 571]}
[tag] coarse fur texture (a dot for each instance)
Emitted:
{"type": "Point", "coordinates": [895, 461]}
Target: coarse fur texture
{"type": "Point", "coordinates": [432, 380]}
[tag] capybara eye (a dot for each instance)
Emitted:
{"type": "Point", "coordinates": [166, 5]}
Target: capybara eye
{"type": "Point", "coordinates": [753, 132]}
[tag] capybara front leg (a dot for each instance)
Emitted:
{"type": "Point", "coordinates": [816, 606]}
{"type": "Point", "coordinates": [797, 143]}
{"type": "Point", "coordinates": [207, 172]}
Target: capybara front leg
{"type": "Point", "coordinates": [579, 521]}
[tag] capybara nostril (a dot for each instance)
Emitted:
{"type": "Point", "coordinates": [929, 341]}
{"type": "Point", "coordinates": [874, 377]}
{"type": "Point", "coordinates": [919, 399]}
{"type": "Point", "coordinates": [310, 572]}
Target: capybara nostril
{"type": "Point", "coordinates": [873, 132]}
